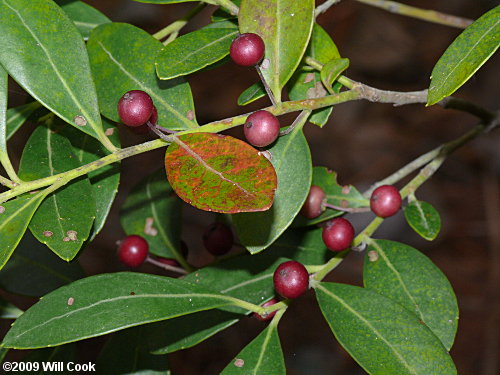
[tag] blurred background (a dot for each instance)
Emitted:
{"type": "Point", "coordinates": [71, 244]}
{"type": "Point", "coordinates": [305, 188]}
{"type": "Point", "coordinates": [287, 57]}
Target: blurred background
{"type": "Point", "coordinates": [363, 142]}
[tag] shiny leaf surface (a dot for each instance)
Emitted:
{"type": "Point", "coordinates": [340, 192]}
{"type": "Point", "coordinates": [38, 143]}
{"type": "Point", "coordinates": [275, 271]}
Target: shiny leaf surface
{"type": "Point", "coordinates": [220, 173]}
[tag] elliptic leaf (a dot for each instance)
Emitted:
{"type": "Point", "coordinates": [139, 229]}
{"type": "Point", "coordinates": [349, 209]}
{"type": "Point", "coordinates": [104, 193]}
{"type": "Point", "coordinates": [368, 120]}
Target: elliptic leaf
{"type": "Point", "coordinates": [106, 303]}
{"type": "Point", "coordinates": [472, 48]}
{"type": "Point", "coordinates": [337, 195]}
{"type": "Point", "coordinates": [153, 211]}
{"type": "Point", "coordinates": [105, 180]}
{"type": "Point", "coordinates": [34, 270]}
{"type": "Point", "coordinates": [15, 216]}
{"type": "Point", "coordinates": [194, 51]}
{"type": "Point", "coordinates": [126, 352]}
{"type": "Point", "coordinates": [17, 116]}
{"type": "Point", "coordinates": [306, 84]}
{"type": "Point", "coordinates": [251, 94]}
{"type": "Point", "coordinates": [85, 17]}
{"type": "Point", "coordinates": [64, 220]}
{"type": "Point", "coordinates": [50, 63]}
{"type": "Point", "coordinates": [408, 277]}
{"type": "Point", "coordinates": [220, 173]}
{"type": "Point", "coordinates": [424, 219]}
{"type": "Point", "coordinates": [291, 159]}
{"type": "Point", "coordinates": [285, 26]}
{"type": "Point", "coordinates": [380, 334]}
{"type": "Point", "coordinates": [60, 354]}
{"type": "Point", "coordinates": [263, 356]}
{"type": "Point", "coordinates": [8, 310]}
{"type": "Point", "coordinates": [122, 58]}
{"type": "Point", "coordinates": [4, 156]}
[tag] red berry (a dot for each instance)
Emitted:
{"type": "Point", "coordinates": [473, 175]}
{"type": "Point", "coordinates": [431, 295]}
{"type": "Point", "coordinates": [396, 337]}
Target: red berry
{"type": "Point", "coordinates": [218, 238]}
{"type": "Point", "coordinates": [385, 201]}
{"type": "Point", "coordinates": [247, 49]}
{"type": "Point", "coordinates": [269, 316]}
{"type": "Point", "coordinates": [261, 128]}
{"type": "Point", "coordinates": [172, 262]}
{"type": "Point", "coordinates": [133, 251]}
{"type": "Point", "coordinates": [291, 279]}
{"type": "Point", "coordinates": [338, 234]}
{"type": "Point", "coordinates": [314, 204]}
{"type": "Point", "coordinates": [154, 116]}
{"type": "Point", "coordinates": [135, 108]}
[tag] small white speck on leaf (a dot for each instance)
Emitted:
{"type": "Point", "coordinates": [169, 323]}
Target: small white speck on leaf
{"type": "Point", "coordinates": [309, 77]}
{"type": "Point", "coordinates": [72, 235]}
{"type": "Point", "coordinates": [71, 301]}
{"type": "Point", "coordinates": [372, 256]}
{"type": "Point", "coordinates": [80, 120]}
{"type": "Point", "coordinates": [47, 233]}
{"type": "Point", "coordinates": [238, 362]}
{"type": "Point", "coordinates": [66, 239]}
{"type": "Point", "coordinates": [109, 131]}
{"type": "Point", "coordinates": [265, 64]}
{"type": "Point", "coordinates": [148, 227]}
{"type": "Point", "coordinates": [2, 209]}
{"type": "Point", "coordinates": [190, 115]}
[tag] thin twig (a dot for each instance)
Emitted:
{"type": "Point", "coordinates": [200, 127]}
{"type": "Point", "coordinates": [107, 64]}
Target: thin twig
{"type": "Point", "coordinates": [176, 26]}
{"type": "Point", "coordinates": [6, 182]}
{"type": "Point", "coordinates": [348, 209]}
{"type": "Point", "coordinates": [422, 14]}
{"type": "Point", "coordinates": [324, 7]}
{"type": "Point", "coordinates": [299, 120]}
{"type": "Point", "coordinates": [167, 267]}
{"type": "Point", "coordinates": [266, 86]}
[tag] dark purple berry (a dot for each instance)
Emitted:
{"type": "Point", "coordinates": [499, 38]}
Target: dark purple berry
{"type": "Point", "coordinates": [338, 234]}
{"type": "Point", "coordinates": [269, 316]}
{"type": "Point", "coordinates": [172, 262]}
{"type": "Point", "coordinates": [247, 49]}
{"type": "Point", "coordinates": [261, 128]}
{"type": "Point", "coordinates": [154, 116]}
{"type": "Point", "coordinates": [218, 238]}
{"type": "Point", "coordinates": [135, 108]}
{"type": "Point", "coordinates": [291, 279]}
{"type": "Point", "coordinates": [315, 203]}
{"type": "Point", "coordinates": [385, 201]}
{"type": "Point", "coordinates": [133, 251]}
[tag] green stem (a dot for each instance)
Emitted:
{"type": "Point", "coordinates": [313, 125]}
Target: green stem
{"type": "Point", "coordinates": [277, 317]}
{"type": "Point", "coordinates": [176, 26]}
{"type": "Point", "coordinates": [422, 14]}
{"type": "Point", "coordinates": [84, 169]}
{"type": "Point", "coordinates": [245, 305]}
{"type": "Point", "coordinates": [6, 182]}
{"type": "Point", "coordinates": [228, 5]}
{"type": "Point", "coordinates": [328, 267]}
{"type": "Point", "coordinates": [7, 165]}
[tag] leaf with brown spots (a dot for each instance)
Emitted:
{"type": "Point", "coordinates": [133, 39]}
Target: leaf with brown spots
{"type": "Point", "coordinates": [219, 173]}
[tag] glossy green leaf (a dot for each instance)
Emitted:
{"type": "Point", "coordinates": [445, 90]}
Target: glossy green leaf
{"type": "Point", "coordinates": [337, 195]}
{"type": "Point", "coordinates": [3, 115]}
{"type": "Point", "coordinates": [220, 173]}
{"type": "Point", "coordinates": [306, 84]}
{"type": "Point", "coordinates": [8, 310]}
{"type": "Point", "coordinates": [88, 308]}
{"type": "Point", "coordinates": [50, 62]}
{"type": "Point", "coordinates": [247, 277]}
{"type": "Point", "coordinates": [251, 94]}
{"type": "Point", "coordinates": [291, 159]}
{"type": "Point", "coordinates": [170, 1]}
{"type": "Point", "coordinates": [194, 51]}
{"type": "Point", "coordinates": [423, 218]}
{"type": "Point", "coordinates": [380, 334]}
{"type": "Point", "coordinates": [285, 26]}
{"type": "Point", "coordinates": [408, 277]}
{"type": "Point", "coordinates": [64, 220]}
{"type": "Point", "coordinates": [105, 180]}
{"type": "Point", "coordinates": [222, 14]}
{"type": "Point", "coordinates": [126, 352]}
{"type": "Point", "coordinates": [153, 211]}
{"type": "Point", "coordinates": [263, 356]}
{"type": "Point", "coordinates": [17, 116]}
{"type": "Point", "coordinates": [332, 70]}
{"type": "Point", "coordinates": [85, 17]}
{"type": "Point", "coordinates": [468, 52]}
{"type": "Point", "coordinates": [15, 216]}
{"type": "Point", "coordinates": [122, 58]}
{"type": "Point", "coordinates": [34, 270]}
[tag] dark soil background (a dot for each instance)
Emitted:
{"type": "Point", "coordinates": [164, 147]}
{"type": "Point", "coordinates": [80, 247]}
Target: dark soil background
{"type": "Point", "coordinates": [363, 142]}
